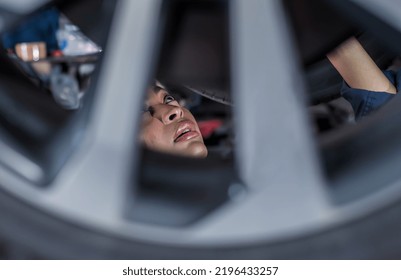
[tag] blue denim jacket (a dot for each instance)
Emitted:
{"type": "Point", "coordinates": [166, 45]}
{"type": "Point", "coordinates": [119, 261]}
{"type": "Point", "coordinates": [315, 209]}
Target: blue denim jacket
{"type": "Point", "coordinates": [364, 101]}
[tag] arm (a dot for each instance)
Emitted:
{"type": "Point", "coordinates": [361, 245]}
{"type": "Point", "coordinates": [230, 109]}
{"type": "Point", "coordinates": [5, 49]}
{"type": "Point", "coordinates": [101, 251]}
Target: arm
{"type": "Point", "coordinates": [358, 69]}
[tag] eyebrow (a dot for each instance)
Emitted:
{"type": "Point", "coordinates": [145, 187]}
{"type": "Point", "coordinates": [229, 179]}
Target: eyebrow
{"type": "Point", "coordinates": [156, 89]}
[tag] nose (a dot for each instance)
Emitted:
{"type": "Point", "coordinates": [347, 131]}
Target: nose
{"type": "Point", "coordinates": [171, 113]}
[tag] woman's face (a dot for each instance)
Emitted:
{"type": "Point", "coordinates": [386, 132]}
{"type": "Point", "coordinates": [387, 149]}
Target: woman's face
{"type": "Point", "coordinates": [168, 127]}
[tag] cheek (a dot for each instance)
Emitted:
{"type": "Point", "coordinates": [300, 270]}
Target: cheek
{"type": "Point", "coordinates": [188, 115]}
{"type": "Point", "coordinates": [148, 133]}
{"type": "Point", "coordinates": [153, 134]}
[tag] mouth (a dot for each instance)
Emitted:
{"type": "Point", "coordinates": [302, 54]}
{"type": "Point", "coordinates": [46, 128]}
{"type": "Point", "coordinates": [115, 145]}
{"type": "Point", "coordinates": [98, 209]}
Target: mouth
{"type": "Point", "coordinates": [186, 131]}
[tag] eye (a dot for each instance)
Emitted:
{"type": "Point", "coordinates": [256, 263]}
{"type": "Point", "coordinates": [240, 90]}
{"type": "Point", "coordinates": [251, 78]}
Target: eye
{"type": "Point", "coordinates": [168, 98]}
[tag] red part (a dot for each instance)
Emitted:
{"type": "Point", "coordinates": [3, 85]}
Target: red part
{"type": "Point", "coordinates": [208, 127]}
{"type": "Point", "coordinates": [57, 53]}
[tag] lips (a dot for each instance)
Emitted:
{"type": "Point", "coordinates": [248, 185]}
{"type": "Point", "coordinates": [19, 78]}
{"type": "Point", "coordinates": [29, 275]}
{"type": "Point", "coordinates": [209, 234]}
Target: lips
{"type": "Point", "coordinates": [186, 131]}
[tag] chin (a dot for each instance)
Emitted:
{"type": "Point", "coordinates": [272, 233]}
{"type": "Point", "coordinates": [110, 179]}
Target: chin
{"type": "Point", "coordinates": [200, 153]}
{"type": "Point", "coordinates": [196, 150]}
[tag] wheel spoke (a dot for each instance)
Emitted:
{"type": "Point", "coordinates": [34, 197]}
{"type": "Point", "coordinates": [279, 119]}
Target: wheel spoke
{"type": "Point", "coordinates": [276, 155]}
{"type": "Point", "coordinates": [93, 184]}
{"type": "Point", "coordinates": [109, 161]}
